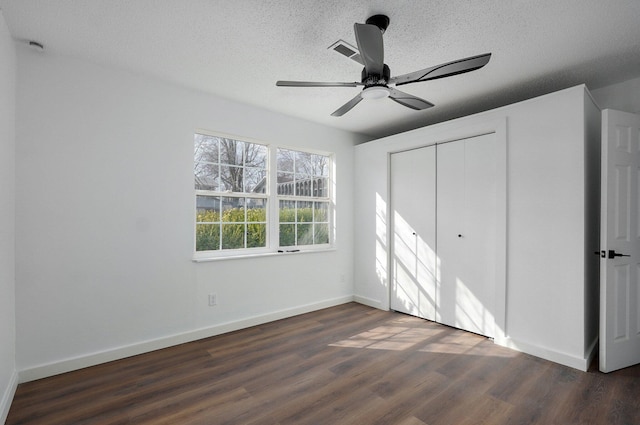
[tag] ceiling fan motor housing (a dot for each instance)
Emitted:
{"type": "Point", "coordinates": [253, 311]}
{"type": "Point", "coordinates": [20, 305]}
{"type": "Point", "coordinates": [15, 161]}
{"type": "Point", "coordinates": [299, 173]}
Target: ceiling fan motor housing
{"type": "Point", "coordinates": [376, 80]}
{"type": "Point", "coordinates": [380, 21]}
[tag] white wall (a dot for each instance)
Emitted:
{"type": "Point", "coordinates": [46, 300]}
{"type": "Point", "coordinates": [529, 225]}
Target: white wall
{"type": "Point", "coordinates": [593, 125]}
{"type": "Point", "coordinates": [549, 234]}
{"type": "Point", "coordinates": [624, 96]}
{"type": "Point", "coordinates": [8, 376]}
{"type": "Point", "coordinates": [105, 216]}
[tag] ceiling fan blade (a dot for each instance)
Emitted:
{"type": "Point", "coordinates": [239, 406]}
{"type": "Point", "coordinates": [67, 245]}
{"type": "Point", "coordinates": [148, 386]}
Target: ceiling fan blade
{"type": "Point", "coordinates": [347, 106]}
{"type": "Point", "coordinates": [445, 70]}
{"type": "Point", "coordinates": [369, 40]}
{"type": "Point", "coordinates": [314, 84]}
{"type": "Point", "coordinates": [408, 100]}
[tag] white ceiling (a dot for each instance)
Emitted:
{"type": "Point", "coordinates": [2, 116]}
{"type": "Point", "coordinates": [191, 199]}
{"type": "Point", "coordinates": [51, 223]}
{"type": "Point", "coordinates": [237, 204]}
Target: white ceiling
{"type": "Point", "coordinates": [238, 49]}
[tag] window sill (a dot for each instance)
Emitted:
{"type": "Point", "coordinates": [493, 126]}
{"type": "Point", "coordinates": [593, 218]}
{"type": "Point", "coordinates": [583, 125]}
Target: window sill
{"type": "Point", "coordinates": [263, 254]}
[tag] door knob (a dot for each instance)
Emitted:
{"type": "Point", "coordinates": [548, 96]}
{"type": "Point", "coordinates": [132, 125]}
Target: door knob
{"type": "Point", "coordinates": [613, 254]}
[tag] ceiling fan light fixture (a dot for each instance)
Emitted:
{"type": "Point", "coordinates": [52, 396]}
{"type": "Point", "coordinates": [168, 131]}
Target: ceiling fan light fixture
{"type": "Point", "coordinates": [375, 92]}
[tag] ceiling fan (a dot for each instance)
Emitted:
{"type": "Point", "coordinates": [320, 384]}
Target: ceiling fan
{"type": "Point", "coordinates": [376, 76]}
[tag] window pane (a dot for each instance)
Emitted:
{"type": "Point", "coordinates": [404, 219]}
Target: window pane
{"type": "Point", "coordinates": [231, 151]}
{"type": "Point", "coordinates": [207, 237]}
{"type": "Point", "coordinates": [232, 236]}
{"type": "Point", "coordinates": [303, 163]}
{"type": "Point", "coordinates": [302, 173]}
{"type": "Point", "coordinates": [287, 234]}
{"type": "Point", "coordinates": [206, 176]}
{"type": "Point", "coordinates": [286, 185]}
{"type": "Point", "coordinates": [256, 203]}
{"type": "Point", "coordinates": [231, 178]}
{"type": "Point", "coordinates": [320, 165]}
{"type": "Point", "coordinates": [320, 186]}
{"type": "Point", "coordinates": [321, 212]}
{"type": "Point", "coordinates": [256, 235]}
{"type": "Point", "coordinates": [257, 214]}
{"type": "Point", "coordinates": [305, 212]}
{"type": "Point", "coordinates": [232, 209]}
{"type": "Point", "coordinates": [255, 180]}
{"type": "Point", "coordinates": [255, 155]}
{"type": "Point", "coordinates": [207, 209]}
{"type": "Point", "coordinates": [287, 211]}
{"type": "Point", "coordinates": [304, 185]}
{"type": "Point", "coordinates": [305, 234]}
{"type": "Point", "coordinates": [321, 233]}
{"type": "Point", "coordinates": [285, 160]}
{"type": "Point", "coordinates": [312, 165]}
{"type": "Point", "coordinates": [205, 148]}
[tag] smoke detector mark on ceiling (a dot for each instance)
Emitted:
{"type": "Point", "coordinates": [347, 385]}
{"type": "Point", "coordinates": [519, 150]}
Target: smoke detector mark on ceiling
{"type": "Point", "coordinates": [347, 50]}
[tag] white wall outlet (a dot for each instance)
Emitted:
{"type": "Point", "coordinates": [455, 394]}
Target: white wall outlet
{"type": "Point", "coordinates": [213, 300]}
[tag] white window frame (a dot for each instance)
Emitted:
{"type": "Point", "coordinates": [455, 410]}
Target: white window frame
{"type": "Point", "coordinates": [312, 200]}
{"type": "Point", "coordinates": [273, 202]}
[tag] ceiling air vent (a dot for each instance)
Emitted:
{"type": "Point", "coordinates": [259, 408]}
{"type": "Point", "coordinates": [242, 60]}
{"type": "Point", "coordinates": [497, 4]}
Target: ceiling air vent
{"type": "Point", "coordinates": [347, 50]}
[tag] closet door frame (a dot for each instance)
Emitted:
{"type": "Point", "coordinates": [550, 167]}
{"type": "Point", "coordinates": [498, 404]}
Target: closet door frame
{"type": "Point", "coordinates": [499, 128]}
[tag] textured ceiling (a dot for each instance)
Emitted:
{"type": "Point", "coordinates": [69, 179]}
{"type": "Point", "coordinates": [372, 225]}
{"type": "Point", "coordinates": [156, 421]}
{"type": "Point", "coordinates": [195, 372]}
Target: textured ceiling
{"type": "Point", "coordinates": [238, 49]}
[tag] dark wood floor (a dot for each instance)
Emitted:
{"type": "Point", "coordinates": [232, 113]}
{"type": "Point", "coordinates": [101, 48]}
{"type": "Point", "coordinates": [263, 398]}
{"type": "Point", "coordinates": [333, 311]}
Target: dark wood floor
{"type": "Point", "coordinates": [344, 365]}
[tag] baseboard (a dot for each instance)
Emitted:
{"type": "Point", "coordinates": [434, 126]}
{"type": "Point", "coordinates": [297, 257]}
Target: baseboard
{"type": "Point", "coordinates": [545, 353]}
{"type": "Point", "coordinates": [368, 301]}
{"type": "Point", "coordinates": [56, 368]}
{"type": "Point", "coordinates": [7, 397]}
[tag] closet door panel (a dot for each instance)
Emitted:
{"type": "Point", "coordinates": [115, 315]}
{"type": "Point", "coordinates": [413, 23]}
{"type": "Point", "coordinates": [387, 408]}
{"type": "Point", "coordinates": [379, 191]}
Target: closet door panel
{"type": "Point", "coordinates": [450, 206]}
{"type": "Point", "coordinates": [466, 229]}
{"type": "Point", "coordinates": [413, 185]}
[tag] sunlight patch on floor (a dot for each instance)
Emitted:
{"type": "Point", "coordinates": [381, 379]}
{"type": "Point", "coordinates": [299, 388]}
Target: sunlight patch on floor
{"type": "Point", "coordinates": [466, 343]}
{"type": "Point", "coordinates": [399, 335]}
{"type": "Point", "coordinates": [453, 344]}
{"type": "Point", "coordinates": [395, 338]}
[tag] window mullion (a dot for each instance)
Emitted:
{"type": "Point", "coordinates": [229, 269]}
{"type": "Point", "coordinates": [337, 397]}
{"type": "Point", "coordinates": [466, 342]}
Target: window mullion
{"type": "Point", "coordinates": [273, 218]}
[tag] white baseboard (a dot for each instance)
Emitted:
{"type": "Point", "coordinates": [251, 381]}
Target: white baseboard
{"type": "Point", "coordinates": [55, 368]}
{"type": "Point", "coordinates": [7, 397]}
{"type": "Point", "coordinates": [547, 354]}
{"type": "Point", "coordinates": [368, 301]}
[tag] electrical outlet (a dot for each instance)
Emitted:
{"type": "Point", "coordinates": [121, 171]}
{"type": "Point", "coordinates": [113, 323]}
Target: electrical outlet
{"type": "Point", "coordinates": [213, 300]}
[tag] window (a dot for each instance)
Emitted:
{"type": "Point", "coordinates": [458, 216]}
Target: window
{"type": "Point", "coordinates": [231, 205]}
{"type": "Point", "coordinates": [303, 183]}
{"type": "Point", "coordinates": [244, 205]}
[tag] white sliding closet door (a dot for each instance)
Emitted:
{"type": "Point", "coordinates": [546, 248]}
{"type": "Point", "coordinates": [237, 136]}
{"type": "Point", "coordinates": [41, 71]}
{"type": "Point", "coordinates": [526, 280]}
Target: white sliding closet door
{"type": "Point", "coordinates": [466, 234]}
{"type": "Point", "coordinates": [413, 213]}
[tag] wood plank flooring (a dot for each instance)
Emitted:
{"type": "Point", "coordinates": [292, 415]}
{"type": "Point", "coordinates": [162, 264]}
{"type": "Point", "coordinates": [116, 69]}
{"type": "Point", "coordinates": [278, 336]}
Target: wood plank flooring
{"type": "Point", "coordinates": [348, 364]}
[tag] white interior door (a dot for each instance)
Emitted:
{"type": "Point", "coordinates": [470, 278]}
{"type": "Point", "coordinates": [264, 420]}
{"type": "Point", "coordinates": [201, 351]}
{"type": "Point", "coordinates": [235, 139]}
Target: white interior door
{"type": "Point", "coordinates": [466, 231]}
{"type": "Point", "coordinates": [413, 186]}
{"type": "Point", "coordinates": [620, 239]}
